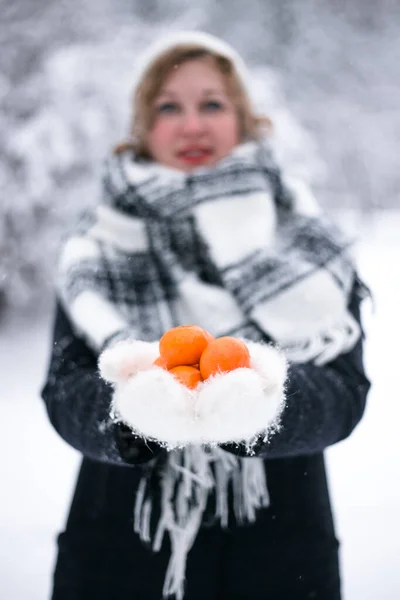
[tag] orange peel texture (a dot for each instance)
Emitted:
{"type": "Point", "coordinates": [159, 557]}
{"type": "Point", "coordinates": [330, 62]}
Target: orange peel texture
{"type": "Point", "coordinates": [222, 355]}
{"type": "Point", "coordinates": [187, 375]}
{"type": "Point", "coordinates": [183, 345]}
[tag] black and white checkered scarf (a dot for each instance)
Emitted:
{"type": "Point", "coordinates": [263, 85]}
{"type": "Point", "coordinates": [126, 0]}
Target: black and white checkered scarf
{"type": "Point", "coordinates": [231, 248]}
{"type": "Point", "coordinates": [234, 249]}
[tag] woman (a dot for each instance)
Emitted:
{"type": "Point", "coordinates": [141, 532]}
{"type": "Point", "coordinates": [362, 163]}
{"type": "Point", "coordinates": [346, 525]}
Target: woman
{"type": "Point", "coordinates": [198, 225]}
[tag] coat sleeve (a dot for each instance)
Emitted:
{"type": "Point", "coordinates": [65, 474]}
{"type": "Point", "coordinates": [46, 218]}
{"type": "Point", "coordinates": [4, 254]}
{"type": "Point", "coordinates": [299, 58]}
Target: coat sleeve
{"type": "Point", "coordinates": [324, 403]}
{"type": "Point", "coordinates": [78, 402]}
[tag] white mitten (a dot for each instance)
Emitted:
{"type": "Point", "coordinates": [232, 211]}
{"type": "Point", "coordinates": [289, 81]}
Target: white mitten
{"type": "Point", "coordinates": [127, 358]}
{"type": "Point", "coordinates": [230, 407]}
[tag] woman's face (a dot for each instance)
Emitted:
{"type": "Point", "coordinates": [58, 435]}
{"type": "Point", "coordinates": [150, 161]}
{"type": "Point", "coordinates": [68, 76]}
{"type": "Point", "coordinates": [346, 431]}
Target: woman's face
{"type": "Point", "coordinates": [195, 121]}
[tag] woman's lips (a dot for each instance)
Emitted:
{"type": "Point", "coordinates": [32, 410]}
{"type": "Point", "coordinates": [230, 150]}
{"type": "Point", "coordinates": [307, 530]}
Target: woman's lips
{"type": "Point", "coordinates": [195, 156]}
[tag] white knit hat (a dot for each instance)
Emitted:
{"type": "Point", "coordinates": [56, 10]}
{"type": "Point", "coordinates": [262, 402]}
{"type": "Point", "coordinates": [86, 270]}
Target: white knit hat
{"type": "Point", "coordinates": [206, 41]}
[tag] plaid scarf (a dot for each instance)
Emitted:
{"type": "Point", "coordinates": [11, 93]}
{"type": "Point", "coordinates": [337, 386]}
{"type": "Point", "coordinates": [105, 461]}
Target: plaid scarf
{"type": "Point", "coordinates": [228, 248]}
{"type": "Point", "coordinates": [233, 249]}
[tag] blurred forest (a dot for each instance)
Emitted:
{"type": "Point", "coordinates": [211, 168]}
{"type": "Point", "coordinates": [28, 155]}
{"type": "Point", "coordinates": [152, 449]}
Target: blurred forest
{"type": "Point", "coordinates": [326, 72]}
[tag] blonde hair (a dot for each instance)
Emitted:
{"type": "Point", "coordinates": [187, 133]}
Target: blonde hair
{"type": "Point", "coordinates": [252, 126]}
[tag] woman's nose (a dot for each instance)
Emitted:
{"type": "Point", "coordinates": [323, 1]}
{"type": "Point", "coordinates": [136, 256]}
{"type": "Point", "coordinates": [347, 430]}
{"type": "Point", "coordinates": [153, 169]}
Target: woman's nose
{"type": "Point", "coordinates": [192, 123]}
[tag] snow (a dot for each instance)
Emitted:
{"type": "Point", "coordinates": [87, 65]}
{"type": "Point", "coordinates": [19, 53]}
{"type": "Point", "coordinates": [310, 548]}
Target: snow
{"type": "Point", "coordinates": [38, 468]}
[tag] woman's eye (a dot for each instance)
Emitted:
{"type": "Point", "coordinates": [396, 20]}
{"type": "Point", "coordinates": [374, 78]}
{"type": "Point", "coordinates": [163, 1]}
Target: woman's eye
{"type": "Point", "coordinates": [167, 107]}
{"type": "Point", "coordinates": [212, 105]}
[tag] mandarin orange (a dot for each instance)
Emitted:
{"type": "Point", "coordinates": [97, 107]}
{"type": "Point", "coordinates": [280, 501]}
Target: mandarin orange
{"type": "Point", "coordinates": [187, 375]}
{"type": "Point", "coordinates": [224, 354]}
{"type": "Point", "coordinates": [160, 362]}
{"type": "Point", "coordinates": [183, 345]}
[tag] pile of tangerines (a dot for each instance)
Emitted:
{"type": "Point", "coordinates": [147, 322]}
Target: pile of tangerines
{"type": "Point", "coordinates": [191, 354]}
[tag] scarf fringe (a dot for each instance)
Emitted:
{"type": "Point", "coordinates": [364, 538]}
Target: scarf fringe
{"type": "Point", "coordinates": [328, 345]}
{"type": "Point", "coordinates": [189, 477]}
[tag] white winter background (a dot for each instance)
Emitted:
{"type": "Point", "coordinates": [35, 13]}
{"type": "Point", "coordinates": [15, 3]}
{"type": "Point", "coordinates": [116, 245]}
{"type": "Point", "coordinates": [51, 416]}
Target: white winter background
{"type": "Point", "coordinates": [326, 74]}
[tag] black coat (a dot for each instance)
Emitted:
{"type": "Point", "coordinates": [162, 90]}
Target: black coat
{"type": "Point", "coordinates": [291, 552]}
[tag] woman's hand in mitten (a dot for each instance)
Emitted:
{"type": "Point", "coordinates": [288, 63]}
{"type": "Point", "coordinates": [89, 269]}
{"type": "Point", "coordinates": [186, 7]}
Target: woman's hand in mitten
{"type": "Point", "coordinates": [124, 359]}
{"type": "Point", "coordinates": [238, 392]}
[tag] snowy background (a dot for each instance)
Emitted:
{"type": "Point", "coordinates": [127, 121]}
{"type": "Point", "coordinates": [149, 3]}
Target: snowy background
{"type": "Point", "coordinates": [327, 74]}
